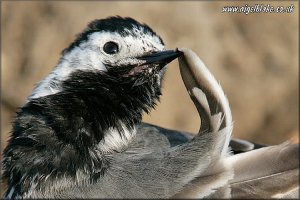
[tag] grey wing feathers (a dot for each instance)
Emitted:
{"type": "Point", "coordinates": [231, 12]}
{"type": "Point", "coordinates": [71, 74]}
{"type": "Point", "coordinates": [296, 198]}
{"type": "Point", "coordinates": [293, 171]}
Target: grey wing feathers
{"type": "Point", "coordinates": [174, 137]}
{"type": "Point", "coordinates": [269, 172]}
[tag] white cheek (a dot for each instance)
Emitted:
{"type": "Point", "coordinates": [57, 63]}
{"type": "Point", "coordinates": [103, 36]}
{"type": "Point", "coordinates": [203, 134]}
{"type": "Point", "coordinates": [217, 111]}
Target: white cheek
{"type": "Point", "coordinates": [83, 58]}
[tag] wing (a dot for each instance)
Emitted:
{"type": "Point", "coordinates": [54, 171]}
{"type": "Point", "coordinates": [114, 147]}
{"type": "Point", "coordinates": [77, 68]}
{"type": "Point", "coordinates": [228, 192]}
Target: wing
{"type": "Point", "coordinates": [175, 137]}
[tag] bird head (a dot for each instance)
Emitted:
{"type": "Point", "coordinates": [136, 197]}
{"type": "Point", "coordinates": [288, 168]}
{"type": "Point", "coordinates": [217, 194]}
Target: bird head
{"type": "Point", "coordinates": [119, 55]}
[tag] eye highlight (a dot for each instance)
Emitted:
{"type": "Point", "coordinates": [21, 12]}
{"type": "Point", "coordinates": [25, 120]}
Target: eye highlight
{"type": "Point", "coordinates": [111, 48]}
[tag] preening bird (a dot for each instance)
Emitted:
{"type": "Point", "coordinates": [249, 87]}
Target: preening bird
{"type": "Point", "coordinates": [80, 134]}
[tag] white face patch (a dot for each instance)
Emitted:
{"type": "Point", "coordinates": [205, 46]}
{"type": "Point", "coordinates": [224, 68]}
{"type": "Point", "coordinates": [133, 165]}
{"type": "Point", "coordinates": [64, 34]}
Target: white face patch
{"type": "Point", "coordinates": [90, 56]}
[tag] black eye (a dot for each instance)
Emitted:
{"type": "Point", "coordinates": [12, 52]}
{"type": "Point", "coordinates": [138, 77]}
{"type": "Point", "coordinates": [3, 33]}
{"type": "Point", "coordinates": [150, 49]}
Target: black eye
{"type": "Point", "coordinates": [111, 48]}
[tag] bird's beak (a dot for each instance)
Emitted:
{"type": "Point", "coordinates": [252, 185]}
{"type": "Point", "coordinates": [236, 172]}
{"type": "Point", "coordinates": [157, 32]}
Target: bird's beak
{"type": "Point", "coordinates": [162, 57]}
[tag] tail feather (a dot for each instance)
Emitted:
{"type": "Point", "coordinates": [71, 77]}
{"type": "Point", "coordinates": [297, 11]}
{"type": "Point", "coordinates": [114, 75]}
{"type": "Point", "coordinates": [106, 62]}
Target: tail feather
{"type": "Point", "coordinates": [267, 172]}
{"type": "Point", "coordinates": [207, 94]}
{"type": "Point", "coordinates": [293, 193]}
{"type": "Point", "coordinates": [270, 186]}
{"type": "Point", "coordinates": [214, 120]}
